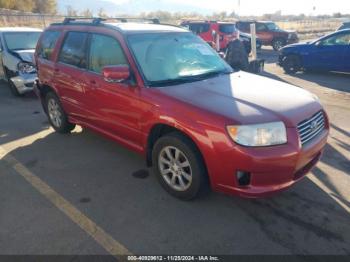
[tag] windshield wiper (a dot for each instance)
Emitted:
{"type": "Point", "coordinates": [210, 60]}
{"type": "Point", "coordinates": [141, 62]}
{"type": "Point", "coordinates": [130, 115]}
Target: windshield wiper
{"type": "Point", "coordinates": [210, 74]}
{"type": "Point", "coordinates": [187, 79]}
{"type": "Point", "coordinates": [168, 82]}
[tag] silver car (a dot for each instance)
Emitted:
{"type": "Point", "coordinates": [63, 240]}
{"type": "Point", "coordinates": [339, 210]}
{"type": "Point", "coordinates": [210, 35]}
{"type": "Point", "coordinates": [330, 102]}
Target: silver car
{"type": "Point", "coordinates": [17, 46]}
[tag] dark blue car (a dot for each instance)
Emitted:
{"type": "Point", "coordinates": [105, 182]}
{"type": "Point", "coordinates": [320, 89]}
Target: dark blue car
{"type": "Point", "coordinates": [329, 53]}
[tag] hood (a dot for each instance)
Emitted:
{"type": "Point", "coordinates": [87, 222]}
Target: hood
{"type": "Point", "coordinates": [244, 98]}
{"type": "Point", "coordinates": [26, 55]}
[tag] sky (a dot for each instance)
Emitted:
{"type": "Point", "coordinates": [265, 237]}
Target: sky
{"type": "Point", "coordinates": [259, 7]}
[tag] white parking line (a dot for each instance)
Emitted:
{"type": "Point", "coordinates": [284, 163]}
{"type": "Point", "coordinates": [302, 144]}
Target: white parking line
{"type": "Point", "coordinates": [90, 227]}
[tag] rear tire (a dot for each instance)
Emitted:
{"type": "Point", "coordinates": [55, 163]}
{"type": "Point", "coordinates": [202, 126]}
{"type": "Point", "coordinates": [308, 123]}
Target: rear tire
{"type": "Point", "coordinates": [57, 117]}
{"type": "Point", "coordinates": [179, 167]}
{"type": "Point", "coordinates": [291, 64]}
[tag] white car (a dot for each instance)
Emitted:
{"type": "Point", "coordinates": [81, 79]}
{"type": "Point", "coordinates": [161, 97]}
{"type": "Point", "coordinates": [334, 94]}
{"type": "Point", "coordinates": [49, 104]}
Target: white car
{"type": "Point", "coordinates": [17, 47]}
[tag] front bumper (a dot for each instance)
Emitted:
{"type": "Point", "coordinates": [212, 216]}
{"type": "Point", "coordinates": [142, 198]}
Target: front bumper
{"type": "Point", "coordinates": [24, 82]}
{"type": "Point", "coordinates": [272, 169]}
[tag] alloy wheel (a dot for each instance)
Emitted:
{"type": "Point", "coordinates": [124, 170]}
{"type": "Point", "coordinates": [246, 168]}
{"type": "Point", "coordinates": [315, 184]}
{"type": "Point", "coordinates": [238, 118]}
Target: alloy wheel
{"type": "Point", "coordinates": [175, 168]}
{"type": "Point", "coordinates": [54, 113]}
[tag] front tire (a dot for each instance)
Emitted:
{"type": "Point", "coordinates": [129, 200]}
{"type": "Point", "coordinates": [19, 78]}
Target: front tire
{"type": "Point", "coordinates": [179, 167]}
{"type": "Point", "coordinates": [13, 88]}
{"type": "Point", "coordinates": [57, 117]}
{"type": "Point", "coordinates": [11, 85]}
{"type": "Point", "coordinates": [277, 44]}
{"type": "Point", "coordinates": [291, 64]}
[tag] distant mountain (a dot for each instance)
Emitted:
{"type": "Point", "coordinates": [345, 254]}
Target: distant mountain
{"type": "Point", "coordinates": [131, 7]}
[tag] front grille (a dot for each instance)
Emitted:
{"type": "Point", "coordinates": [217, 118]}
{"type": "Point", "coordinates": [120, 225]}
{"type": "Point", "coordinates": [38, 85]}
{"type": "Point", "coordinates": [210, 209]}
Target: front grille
{"type": "Point", "coordinates": [310, 128]}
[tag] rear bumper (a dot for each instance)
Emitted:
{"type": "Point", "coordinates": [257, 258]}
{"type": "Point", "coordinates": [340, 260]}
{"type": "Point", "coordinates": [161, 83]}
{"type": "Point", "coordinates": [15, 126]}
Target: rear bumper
{"type": "Point", "coordinates": [24, 82]}
{"type": "Point", "coordinates": [272, 169]}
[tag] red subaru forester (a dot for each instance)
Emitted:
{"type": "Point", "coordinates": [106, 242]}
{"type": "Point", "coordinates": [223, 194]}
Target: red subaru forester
{"type": "Point", "coordinates": [163, 92]}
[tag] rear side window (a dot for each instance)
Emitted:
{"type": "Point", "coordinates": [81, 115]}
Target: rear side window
{"type": "Point", "coordinates": [47, 44]}
{"type": "Point", "coordinates": [199, 28]}
{"type": "Point", "coordinates": [73, 51]}
{"type": "Point", "coordinates": [105, 51]}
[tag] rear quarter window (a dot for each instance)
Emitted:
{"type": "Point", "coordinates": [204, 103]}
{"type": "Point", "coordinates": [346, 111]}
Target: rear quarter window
{"type": "Point", "coordinates": [47, 44]}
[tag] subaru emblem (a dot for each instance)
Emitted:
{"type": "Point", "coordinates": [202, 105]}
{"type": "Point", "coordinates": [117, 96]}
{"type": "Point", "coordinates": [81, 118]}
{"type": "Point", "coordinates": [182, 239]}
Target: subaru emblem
{"type": "Point", "coordinates": [313, 126]}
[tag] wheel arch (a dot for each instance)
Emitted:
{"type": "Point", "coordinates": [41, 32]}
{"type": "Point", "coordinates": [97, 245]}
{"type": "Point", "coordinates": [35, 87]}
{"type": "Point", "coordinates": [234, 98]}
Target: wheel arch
{"type": "Point", "coordinates": [44, 90]}
{"type": "Point", "coordinates": [161, 129]}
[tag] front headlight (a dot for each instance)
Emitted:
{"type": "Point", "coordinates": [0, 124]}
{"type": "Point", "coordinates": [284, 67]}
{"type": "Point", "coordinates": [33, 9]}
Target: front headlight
{"type": "Point", "coordinates": [26, 68]}
{"type": "Point", "coordinates": [267, 134]}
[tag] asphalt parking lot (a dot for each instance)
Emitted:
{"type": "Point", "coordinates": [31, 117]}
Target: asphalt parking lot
{"type": "Point", "coordinates": [83, 194]}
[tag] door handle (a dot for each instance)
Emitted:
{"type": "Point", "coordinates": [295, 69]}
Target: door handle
{"type": "Point", "coordinates": [92, 82]}
{"type": "Point", "coordinates": [57, 70]}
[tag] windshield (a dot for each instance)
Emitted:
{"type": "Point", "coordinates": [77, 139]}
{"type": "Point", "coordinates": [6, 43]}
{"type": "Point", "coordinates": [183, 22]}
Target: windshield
{"type": "Point", "coordinates": [227, 28]}
{"type": "Point", "coordinates": [272, 26]}
{"type": "Point", "coordinates": [173, 58]}
{"type": "Point", "coordinates": [21, 40]}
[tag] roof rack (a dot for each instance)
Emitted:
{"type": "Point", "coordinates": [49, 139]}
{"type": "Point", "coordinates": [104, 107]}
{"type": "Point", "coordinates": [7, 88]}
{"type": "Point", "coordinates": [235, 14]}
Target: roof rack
{"type": "Point", "coordinates": [99, 20]}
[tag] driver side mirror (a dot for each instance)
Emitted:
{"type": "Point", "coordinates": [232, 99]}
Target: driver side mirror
{"type": "Point", "coordinates": [116, 74]}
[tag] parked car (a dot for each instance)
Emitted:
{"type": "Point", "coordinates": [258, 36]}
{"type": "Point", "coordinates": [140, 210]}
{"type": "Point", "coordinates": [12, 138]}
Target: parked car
{"type": "Point", "coordinates": [163, 92]}
{"type": "Point", "coordinates": [17, 46]}
{"type": "Point", "coordinates": [247, 41]}
{"type": "Point", "coordinates": [269, 33]}
{"type": "Point", "coordinates": [329, 53]}
{"type": "Point", "coordinates": [207, 29]}
{"type": "Point", "coordinates": [345, 25]}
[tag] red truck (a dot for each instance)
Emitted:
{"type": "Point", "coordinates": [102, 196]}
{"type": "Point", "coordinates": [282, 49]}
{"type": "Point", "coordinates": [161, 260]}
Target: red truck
{"type": "Point", "coordinates": [269, 33]}
{"type": "Point", "coordinates": [207, 30]}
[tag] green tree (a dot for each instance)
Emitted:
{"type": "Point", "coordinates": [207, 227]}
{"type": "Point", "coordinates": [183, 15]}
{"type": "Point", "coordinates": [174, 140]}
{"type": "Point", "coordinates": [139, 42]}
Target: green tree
{"type": "Point", "coordinates": [24, 5]}
{"type": "Point", "coordinates": [45, 6]}
{"type": "Point", "coordinates": [8, 4]}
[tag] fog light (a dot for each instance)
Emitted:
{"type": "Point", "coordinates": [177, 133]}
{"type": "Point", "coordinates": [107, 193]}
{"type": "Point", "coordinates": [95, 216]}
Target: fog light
{"type": "Point", "coordinates": [243, 178]}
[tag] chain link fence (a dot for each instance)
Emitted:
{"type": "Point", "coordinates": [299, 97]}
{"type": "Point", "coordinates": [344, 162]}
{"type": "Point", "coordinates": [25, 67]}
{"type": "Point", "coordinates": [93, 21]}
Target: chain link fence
{"type": "Point", "coordinates": [10, 18]}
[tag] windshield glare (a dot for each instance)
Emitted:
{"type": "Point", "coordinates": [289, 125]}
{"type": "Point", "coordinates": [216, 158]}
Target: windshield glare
{"type": "Point", "coordinates": [174, 56]}
{"type": "Point", "coordinates": [21, 40]}
{"type": "Point", "coordinates": [272, 26]}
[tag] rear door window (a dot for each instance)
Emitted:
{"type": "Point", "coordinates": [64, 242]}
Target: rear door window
{"type": "Point", "coordinates": [47, 44]}
{"type": "Point", "coordinates": [105, 51]}
{"type": "Point", "coordinates": [73, 51]}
